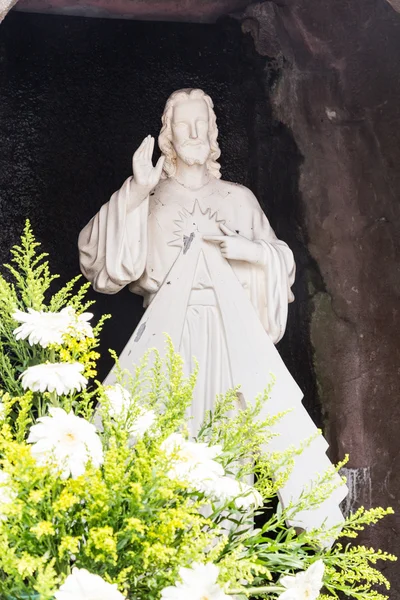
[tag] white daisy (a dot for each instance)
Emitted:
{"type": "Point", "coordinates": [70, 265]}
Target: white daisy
{"type": "Point", "coordinates": [80, 326]}
{"type": "Point", "coordinates": [226, 489]}
{"type": "Point", "coordinates": [82, 585]}
{"type": "Point", "coordinates": [60, 377]}
{"type": "Point", "coordinates": [192, 462]}
{"type": "Point", "coordinates": [65, 441]}
{"type": "Point", "coordinates": [119, 400]}
{"type": "Point", "coordinates": [249, 497]}
{"type": "Point", "coordinates": [142, 424]}
{"type": "Point", "coordinates": [46, 328]}
{"type": "Point", "coordinates": [120, 403]}
{"type": "Point", "coordinates": [305, 585]}
{"type": "Point", "coordinates": [198, 583]}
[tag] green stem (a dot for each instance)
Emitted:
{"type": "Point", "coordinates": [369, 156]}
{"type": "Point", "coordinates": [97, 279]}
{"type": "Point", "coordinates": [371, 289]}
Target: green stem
{"type": "Point", "coordinates": [54, 399]}
{"type": "Point", "coordinates": [39, 407]}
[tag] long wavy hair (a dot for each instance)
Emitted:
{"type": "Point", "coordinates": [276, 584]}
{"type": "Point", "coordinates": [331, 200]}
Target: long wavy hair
{"type": "Point", "coordinates": [165, 137]}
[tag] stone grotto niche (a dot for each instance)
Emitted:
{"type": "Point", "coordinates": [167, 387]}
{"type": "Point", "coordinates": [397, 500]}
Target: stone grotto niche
{"type": "Point", "coordinates": [309, 120]}
{"type": "Point", "coordinates": [78, 96]}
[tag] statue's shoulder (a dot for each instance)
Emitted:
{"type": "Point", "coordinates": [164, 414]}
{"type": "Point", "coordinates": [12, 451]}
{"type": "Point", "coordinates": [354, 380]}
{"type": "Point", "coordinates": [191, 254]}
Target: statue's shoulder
{"type": "Point", "coordinates": [237, 192]}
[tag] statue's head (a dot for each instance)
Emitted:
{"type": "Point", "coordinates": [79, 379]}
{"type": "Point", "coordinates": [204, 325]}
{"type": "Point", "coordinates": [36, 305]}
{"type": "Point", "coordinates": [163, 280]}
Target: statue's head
{"type": "Point", "coordinates": [189, 131]}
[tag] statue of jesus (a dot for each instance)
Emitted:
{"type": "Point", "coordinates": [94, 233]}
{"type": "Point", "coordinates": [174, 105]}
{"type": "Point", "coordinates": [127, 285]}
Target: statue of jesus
{"type": "Point", "coordinates": [213, 276]}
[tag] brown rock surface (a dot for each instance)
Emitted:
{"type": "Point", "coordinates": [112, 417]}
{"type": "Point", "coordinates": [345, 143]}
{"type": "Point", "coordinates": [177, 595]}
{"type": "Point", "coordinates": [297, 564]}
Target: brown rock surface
{"type": "Point", "coordinates": [339, 95]}
{"type": "Point", "coordinates": [395, 4]}
{"type": "Point", "coordinates": [200, 11]}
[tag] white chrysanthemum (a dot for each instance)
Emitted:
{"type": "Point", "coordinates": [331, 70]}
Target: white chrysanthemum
{"type": "Point", "coordinates": [120, 403]}
{"type": "Point", "coordinates": [119, 399]}
{"type": "Point", "coordinates": [192, 462]}
{"type": "Point", "coordinates": [305, 585]}
{"type": "Point", "coordinates": [62, 378]}
{"type": "Point", "coordinates": [47, 328]}
{"type": "Point", "coordinates": [249, 497]}
{"type": "Point", "coordinates": [7, 495]}
{"type": "Point", "coordinates": [199, 582]}
{"type": "Point", "coordinates": [80, 326]}
{"type": "Point", "coordinates": [226, 489]}
{"type": "Point", "coordinates": [142, 424]}
{"type": "Point", "coordinates": [65, 441]}
{"type": "Point", "coordinates": [82, 585]}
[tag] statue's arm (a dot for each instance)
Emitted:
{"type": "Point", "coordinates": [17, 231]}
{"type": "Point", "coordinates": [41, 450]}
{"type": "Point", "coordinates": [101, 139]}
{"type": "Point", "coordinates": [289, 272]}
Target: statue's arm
{"type": "Point", "coordinates": [113, 245]}
{"type": "Point", "coordinates": [256, 248]}
{"type": "Point", "coordinates": [276, 277]}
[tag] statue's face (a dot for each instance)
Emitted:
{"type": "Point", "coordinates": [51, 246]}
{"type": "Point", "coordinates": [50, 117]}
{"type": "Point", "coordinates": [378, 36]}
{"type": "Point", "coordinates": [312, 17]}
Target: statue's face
{"type": "Point", "coordinates": [190, 131]}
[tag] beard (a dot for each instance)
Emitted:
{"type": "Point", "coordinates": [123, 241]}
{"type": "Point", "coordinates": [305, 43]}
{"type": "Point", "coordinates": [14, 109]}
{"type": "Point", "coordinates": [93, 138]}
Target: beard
{"type": "Point", "coordinates": [193, 154]}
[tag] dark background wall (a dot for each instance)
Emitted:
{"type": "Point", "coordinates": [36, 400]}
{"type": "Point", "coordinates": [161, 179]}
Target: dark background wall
{"type": "Point", "coordinates": [78, 96]}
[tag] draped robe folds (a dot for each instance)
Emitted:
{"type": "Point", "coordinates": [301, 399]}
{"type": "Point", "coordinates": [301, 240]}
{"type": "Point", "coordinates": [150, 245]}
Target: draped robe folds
{"type": "Point", "coordinates": [226, 314]}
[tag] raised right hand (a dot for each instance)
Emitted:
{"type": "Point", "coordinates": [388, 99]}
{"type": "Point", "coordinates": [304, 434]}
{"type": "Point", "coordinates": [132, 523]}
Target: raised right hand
{"type": "Point", "coordinates": [144, 174]}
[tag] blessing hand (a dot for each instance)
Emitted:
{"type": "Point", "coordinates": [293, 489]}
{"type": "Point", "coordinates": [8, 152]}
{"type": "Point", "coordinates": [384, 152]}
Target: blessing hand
{"type": "Point", "coordinates": [235, 246]}
{"type": "Point", "coordinates": [145, 175]}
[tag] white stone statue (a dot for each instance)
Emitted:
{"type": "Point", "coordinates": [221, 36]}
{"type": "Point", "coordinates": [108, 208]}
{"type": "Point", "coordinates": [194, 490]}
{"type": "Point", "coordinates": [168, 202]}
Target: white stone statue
{"type": "Point", "coordinates": [213, 276]}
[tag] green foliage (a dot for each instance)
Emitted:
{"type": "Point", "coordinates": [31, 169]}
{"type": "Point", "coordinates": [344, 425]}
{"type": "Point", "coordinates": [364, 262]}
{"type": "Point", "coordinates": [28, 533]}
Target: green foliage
{"type": "Point", "coordinates": [129, 520]}
{"type": "Point", "coordinates": [27, 284]}
{"type": "Point", "coordinates": [276, 546]}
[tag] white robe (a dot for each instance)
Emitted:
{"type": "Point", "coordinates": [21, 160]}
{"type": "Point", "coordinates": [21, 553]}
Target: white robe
{"type": "Point", "coordinates": [227, 314]}
{"type": "Point", "coordinates": [119, 249]}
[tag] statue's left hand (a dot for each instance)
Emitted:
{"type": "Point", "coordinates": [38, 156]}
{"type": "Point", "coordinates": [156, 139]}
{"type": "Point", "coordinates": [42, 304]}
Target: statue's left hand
{"type": "Point", "coordinates": [235, 246]}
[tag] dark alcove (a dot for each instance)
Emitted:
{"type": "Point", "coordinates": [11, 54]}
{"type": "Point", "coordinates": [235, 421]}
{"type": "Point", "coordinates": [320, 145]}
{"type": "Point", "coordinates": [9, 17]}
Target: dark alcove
{"type": "Point", "coordinates": [79, 95]}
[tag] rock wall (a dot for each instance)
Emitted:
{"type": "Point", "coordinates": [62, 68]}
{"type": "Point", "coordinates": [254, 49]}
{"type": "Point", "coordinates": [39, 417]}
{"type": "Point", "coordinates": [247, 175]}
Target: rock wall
{"type": "Point", "coordinates": [339, 96]}
{"type": "Point", "coordinates": [197, 11]}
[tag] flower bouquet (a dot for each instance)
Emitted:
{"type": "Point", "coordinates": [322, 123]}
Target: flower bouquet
{"type": "Point", "coordinates": [103, 496]}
